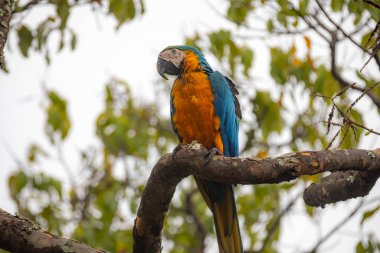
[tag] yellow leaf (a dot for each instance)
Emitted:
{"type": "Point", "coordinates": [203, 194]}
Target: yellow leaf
{"type": "Point", "coordinates": [293, 50]}
{"type": "Point", "coordinates": [307, 42]}
{"type": "Point", "coordinates": [296, 62]}
{"type": "Point", "coordinates": [262, 154]}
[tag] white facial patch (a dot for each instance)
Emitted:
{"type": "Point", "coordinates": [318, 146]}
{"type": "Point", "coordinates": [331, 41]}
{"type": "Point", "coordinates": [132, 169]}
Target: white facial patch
{"type": "Point", "coordinates": [172, 55]}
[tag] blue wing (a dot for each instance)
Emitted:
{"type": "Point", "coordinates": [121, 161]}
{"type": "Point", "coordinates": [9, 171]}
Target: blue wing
{"type": "Point", "coordinates": [228, 110]}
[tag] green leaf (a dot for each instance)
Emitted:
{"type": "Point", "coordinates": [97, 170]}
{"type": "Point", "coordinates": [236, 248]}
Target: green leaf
{"type": "Point", "coordinates": [368, 214]}
{"type": "Point", "coordinates": [193, 40]}
{"type": "Point", "coordinates": [47, 184]}
{"type": "Point", "coordinates": [63, 11]}
{"type": "Point", "coordinates": [268, 114]}
{"type": "Point", "coordinates": [303, 6]}
{"type": "Point", "coordinates": [122, 10]}
{"type": "Point", "coordinates": [337, 5]}
{"type": "Point", "coordinates": [246, 60]}
{"type": "Point", "coordinates": [25, 37]}
{"type": "Point", "coordinates": [219, 42]}
{"type": "Point", "coordinates": [310, 210]}
{"type": "Point", "coordinates": [325, 83]}
{"type": "Point", "coordinates": [58, 122]}
{"type": "Point", "coordinates": [239, 10]}
{"type": "Point", "coordinates": [347, 138]}
{"type": "Point", "coordinates": [34, 151]}
{"type": "Point", "coordinates": [17, 182]}
{"type": "Point", "coordinates": [61, 42]}
{"type": "Point", "coordinates": [142, 6]}
{"type": "Point", "coordinates": [120, 125]}
{"type": "Point", "coordinates": [47, 57]}
{"type": "Point", "coordinates": [57, 185]}
{"type": "Point", "coordinates": [41, 36]}
{"type": "Point", "coordinates": [356, 116]}
{"type": "Point", "coordinates": [73, 42]}
{"type": "Point", "coordinates": [270, 25]}
{"type": "Point", "coordinates": [360, 248]}
{"type": "Point", "coordinates": [279, 65]}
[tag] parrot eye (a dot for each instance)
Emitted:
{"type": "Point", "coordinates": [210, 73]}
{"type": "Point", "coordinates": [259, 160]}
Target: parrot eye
{"type": "Point", "coordinates": [173, 51]}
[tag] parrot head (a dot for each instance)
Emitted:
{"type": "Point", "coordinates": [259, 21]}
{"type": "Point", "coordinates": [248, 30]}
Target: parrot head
{"type": "Point", "coordinates": [172, 60]}
{"type": "Point", "coordinates": [169, 61]}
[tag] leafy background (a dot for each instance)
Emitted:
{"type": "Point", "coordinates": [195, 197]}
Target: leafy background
{"type": "Point", "coordinates": [84, 116]}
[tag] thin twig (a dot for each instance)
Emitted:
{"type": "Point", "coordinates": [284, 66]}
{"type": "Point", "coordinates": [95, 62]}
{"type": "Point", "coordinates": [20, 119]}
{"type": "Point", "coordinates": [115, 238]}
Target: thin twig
{"type": "Point", "coordinates": [366, 128]}
{"type": "Point", "coordinates": [333, 139]}
{"type": "Point", "coordinates": [359, 28]}
{"type": "Point", "coordinates": [372, 3]}
{"type": "Point", "coordinates": [340, 93]}
{"type": "Point", "coordinates": [313, 27]}
{"type": "Point", "coordinates": [340, 79]}
{"type": "Point", "coordinates": [332, 123]}
{"type": "Point", "coordinates": [340, 28]}
{"type": "Point", "coordinates": [361, 96]}
{"type": "Point", "coordinates": [344, 136]}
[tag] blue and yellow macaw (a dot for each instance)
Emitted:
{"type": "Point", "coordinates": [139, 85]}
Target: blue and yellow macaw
{"type": "Point", "coordinates": [204, 108]}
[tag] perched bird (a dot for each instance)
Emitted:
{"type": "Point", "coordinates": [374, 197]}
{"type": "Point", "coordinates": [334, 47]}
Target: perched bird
{"type": "Point", "coordinates": [204, 108]}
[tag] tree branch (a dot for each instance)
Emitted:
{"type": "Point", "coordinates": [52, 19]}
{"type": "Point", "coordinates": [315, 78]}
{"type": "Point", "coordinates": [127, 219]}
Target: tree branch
{"type": "Point", "coordinates": [5, 18]}
{"type": "Point", "coordinates": [340, 79]}
{"type": "Point", "coordinates": [189, 160]}
{"type": "Point", "coordinates": [372, 3]}
{"type": "Point", "coordinates": [333, 42]}
{"type": "Point", "coordinates": [340, 186]}
{"type": "Point", "coordinates": [372, 55]}
{"type": "Point", "coordinates": [19, 234]}
{"type": "Point", "coordinates": [340, 28]}
{"type": "Point", "coordinates": [309, 24]}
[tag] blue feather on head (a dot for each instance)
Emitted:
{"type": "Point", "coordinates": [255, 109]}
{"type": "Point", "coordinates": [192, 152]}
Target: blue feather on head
{"type": "Point", "coordinates": [202, 60]}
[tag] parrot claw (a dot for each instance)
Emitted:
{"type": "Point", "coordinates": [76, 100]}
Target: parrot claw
{"type": "Point", "coordinates": [176, 149]}
{"type": "Point", "coordinates": [210, 154]}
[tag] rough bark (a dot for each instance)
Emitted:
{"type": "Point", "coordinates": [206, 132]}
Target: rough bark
{"type": "Point", "coordinates": [189, 160]}
{"type": "Point", "coordinates": [340, 186]}
{"type": "Point", "coordinates": [19, 235]}
{"type": "Point", "coordinates": [5, 18]}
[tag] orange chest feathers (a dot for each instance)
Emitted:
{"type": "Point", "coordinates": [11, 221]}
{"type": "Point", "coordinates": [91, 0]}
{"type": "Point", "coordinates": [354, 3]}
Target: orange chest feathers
{"type": "Point", "coordinates": [194, 116]}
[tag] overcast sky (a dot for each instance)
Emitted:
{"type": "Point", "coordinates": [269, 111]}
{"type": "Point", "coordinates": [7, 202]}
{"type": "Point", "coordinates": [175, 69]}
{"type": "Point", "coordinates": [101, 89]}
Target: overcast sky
{"type": "Point", "coordinates": [130, 54]}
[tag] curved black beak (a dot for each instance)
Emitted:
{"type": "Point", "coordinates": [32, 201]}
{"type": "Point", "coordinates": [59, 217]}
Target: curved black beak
{"type": "Point", "coordinates": [161, 67]}
{"type": "Point", "coordinates": [166, 67]}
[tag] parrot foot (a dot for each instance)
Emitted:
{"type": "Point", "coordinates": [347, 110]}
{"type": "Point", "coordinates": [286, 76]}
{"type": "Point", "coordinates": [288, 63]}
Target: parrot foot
{"type": "Point", "coordinates": [177, 148]}
{"type": "Point", "coordinates": [210, 154]}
